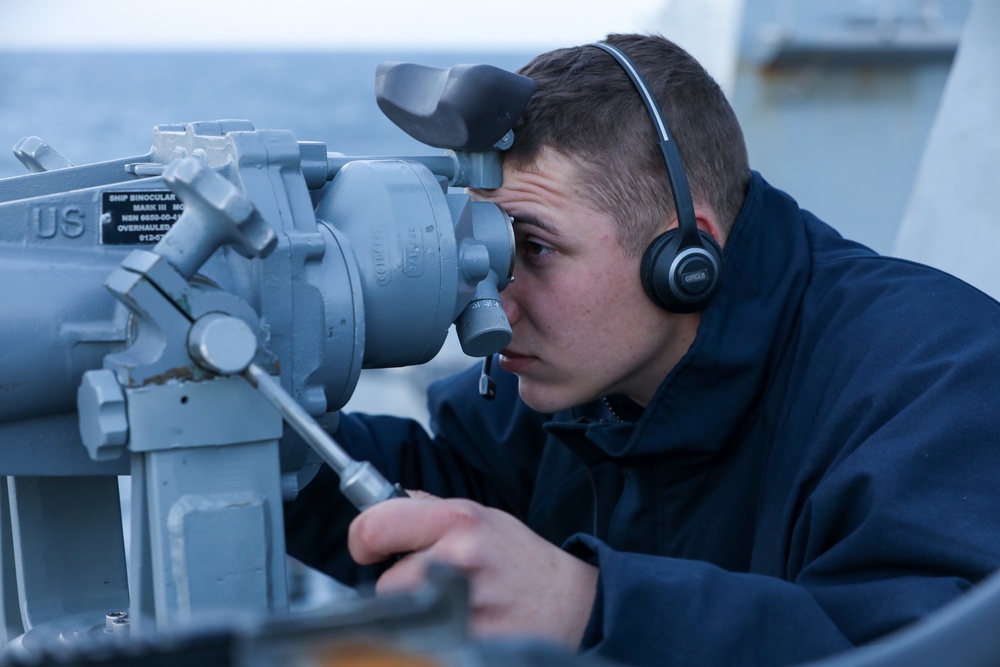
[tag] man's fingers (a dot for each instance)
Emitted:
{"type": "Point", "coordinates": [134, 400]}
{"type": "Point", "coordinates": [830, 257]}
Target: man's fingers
{"type": "Point", "coordinates": [405, 525]}
{"type": "Point", "coordinates": [406, 574]}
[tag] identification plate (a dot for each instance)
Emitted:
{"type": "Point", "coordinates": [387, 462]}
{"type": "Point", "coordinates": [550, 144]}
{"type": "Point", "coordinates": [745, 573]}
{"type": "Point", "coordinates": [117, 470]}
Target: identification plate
{"type": "Point", "coordinates": [137, 218]}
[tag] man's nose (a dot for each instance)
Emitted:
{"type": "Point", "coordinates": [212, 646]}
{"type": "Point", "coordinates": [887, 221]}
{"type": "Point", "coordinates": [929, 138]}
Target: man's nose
{"type": "Point", "coordinates": [509, 300]}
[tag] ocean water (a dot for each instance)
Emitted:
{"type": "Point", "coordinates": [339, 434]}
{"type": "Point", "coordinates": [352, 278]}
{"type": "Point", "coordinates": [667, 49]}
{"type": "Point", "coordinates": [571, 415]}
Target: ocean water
{"type": "Point", "coordinates": [100, 106]}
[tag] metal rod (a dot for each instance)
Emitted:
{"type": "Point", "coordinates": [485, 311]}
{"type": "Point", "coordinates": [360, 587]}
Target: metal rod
{"type": "Point", "coordinates": [360, 481]}
{"type": "Point", "coordinates": [299, 419]}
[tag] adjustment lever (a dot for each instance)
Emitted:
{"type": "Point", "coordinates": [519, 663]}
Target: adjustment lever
{"type": "Point", "coordinates": [360, 481]}
{"type": "Point", "coordinates": [227, 345]}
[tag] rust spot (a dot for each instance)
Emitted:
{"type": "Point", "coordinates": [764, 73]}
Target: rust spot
{"type": "Point", "coordinates": [182, 373]}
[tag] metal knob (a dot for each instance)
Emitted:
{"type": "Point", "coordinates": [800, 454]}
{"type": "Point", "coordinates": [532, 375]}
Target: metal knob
{"type": "Point", "coordinates": [222, 344]}
{"type": "Point", "coordinates": [103, 417]}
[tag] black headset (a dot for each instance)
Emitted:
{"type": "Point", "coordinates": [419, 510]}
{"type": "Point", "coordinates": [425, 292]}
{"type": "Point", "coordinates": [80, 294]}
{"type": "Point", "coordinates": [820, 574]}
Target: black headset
{"type": "Point", "coordinates": [682, 268]}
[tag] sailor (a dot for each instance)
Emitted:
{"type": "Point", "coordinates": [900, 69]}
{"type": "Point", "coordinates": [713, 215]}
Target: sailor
{"type": "Point", "coordinates": [722, 434]}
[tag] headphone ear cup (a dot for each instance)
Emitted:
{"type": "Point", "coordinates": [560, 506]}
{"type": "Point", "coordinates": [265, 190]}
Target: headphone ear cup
{"type": "Point", "coordinates": [681, 280]}
{"type": "Point", "coordinates": [654, 269]}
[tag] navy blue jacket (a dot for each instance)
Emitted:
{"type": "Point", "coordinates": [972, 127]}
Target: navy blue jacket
{"type": "Point", "coordinates": [819, 469]}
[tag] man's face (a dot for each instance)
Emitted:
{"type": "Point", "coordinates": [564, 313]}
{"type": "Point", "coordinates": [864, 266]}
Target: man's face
{"type": "Point", "coordinates": [583, 327]}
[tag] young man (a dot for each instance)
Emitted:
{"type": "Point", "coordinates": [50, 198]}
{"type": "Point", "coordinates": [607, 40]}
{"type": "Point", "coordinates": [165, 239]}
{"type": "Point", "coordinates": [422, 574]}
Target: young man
{"type": "Point", "coordinates": [805, 464]}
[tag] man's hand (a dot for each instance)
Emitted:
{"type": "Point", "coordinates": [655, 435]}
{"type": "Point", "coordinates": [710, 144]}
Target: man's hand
{"type": "Point", "coordinates": [521, 584]}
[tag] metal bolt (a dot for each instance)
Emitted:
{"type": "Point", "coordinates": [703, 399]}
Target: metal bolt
{"type": "Point", "coordinates": [116, 623]}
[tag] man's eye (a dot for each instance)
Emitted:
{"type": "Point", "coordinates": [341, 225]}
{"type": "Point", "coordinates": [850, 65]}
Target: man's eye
{"type": "Point", "coordinates": [535, 249]}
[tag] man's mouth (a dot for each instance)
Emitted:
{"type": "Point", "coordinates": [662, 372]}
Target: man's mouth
{"type": "Point", "coordinates": [514, 361]}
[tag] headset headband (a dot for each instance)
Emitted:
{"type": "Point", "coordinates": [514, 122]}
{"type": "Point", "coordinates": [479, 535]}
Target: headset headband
{"type": "Point", "coordinates": [675, 167]}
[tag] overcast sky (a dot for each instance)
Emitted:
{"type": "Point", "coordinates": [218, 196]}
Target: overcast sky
{"type": "Point", "coordinates": [303, 24]}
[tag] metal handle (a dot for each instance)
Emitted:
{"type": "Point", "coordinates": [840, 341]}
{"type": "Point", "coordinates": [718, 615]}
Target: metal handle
{"type": "Point", "coordinates": [226, 345]}
{"type": "Point", "coordinates": [360, 482]}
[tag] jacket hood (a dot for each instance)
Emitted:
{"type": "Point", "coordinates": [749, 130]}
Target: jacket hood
{"type": "Point", "coordinates": [705, 399]}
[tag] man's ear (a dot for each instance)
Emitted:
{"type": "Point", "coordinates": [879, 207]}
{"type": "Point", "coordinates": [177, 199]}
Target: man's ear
{"type": "Point", "coordinates": [708, 222]}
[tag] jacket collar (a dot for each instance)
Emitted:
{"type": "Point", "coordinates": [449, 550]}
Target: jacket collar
{"type": "Point", "coordinates": [703, 402]}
